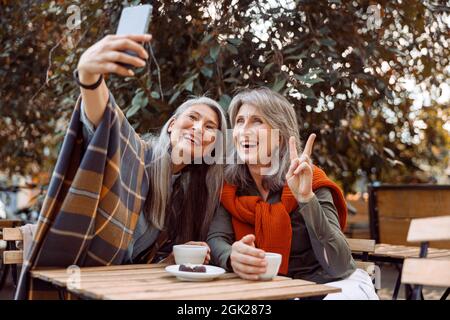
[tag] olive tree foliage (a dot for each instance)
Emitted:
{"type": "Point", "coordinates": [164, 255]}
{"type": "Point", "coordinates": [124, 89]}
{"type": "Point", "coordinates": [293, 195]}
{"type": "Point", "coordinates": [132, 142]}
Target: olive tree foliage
{"type": "Point", "coordinates": [368, 77]}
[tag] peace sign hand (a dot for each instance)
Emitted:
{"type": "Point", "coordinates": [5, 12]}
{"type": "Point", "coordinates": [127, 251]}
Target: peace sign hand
{"type": "Point", "coordinates": [300, 173]}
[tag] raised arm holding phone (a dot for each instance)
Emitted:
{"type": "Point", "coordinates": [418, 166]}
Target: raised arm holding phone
{"type": "Point", "coordinates": [114, 54]}
{"type": "Point", "coordinates": [125, 196]}
{"type": "Point", "coordinates": [102, 58]}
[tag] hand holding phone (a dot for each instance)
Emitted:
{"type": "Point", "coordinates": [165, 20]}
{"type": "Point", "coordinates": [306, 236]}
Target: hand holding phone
{"type": "Point", "coordinates": [108, 56]}
{"type": "Point", "coordinates": [118, 53]}
{"type": "Point", "coordinates": [134, 21]}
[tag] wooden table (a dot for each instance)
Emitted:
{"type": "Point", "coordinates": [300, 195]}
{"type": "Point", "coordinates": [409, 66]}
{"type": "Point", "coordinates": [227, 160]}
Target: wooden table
{"type": "Point", "coordinates": [151, 281]}
{"type": "Point", "coordinates": [396, 254]}
{"type": "Point", "coordinates": [400, 252]}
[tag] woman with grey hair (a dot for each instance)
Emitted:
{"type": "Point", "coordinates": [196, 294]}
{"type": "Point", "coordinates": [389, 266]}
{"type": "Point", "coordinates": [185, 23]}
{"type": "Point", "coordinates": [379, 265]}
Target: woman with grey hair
{"type": "Point", "coordinates": [277, 201]}
{"type": "Point", "coordinates": [116, 198]}
{"type": "Point", "coordinates": [184, 189]}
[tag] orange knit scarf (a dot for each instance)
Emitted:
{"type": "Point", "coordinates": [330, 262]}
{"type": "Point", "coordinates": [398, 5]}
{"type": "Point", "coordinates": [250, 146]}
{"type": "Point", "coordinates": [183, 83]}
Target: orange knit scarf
{"type": "Point", "coordinates": [271, 223]}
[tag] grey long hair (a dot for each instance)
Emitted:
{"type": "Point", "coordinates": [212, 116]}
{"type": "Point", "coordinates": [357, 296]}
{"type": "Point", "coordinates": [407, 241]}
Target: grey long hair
{"type": "Point", "coordinates": [279, 114]}
{"type": "Point", "coordinates": [161, 172]}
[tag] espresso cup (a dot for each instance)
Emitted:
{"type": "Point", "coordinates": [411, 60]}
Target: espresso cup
{"type": "Point", "coordinates": [273, 265]}
{"type": "Point", "coordinates": [192, 254]}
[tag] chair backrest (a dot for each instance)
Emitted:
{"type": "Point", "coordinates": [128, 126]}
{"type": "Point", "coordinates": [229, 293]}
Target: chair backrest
{"type": "Point", "coordinates": [12, 256]}
{"type": "Point", "coordinates": [427, 272]}
{"type": "Point", "coordinates": [357, 224]}
{"type": "Point", "coordinates": [9, 223]}
{"type": "Point", "coordinates": [429, 229]}
{"type": "Point", "coordinates": [392, 207]}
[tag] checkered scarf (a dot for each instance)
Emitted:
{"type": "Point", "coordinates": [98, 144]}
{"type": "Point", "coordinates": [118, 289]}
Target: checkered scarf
{"type": "Point", "coordinates": [93, 202]}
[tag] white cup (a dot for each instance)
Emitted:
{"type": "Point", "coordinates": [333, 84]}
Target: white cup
{"type": "Point", "coordinates": [273, 265]}
{"type": "Point", "coordinates": [186, 253]}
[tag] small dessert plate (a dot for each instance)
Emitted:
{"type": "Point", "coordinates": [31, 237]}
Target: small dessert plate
{"type": "Point", "coordinates": [210, 274]}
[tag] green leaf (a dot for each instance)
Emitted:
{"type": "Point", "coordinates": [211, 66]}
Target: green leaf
{"type": "Point", "coordinates": [308, 92]}
{"type": "Point", "coordinates": [310, 78]}
{"type": "Point", "coordinates": [296, 57]}
{"type": "Point", "coordinates": [324, 30]}
{"type": "Point", "coordinates": [191, 78]}
{"type": "Point", "coordinates": [235, 41]}
{"type": "Point", "coordinates": [190, 85]}
{"type": "Point", "coordinates": [207, 72]}
{"type": "Point", "coordinates": [208, 60]}
{"type": "Point", "coordinates": [139, 101]}
{"type": "Point", "coordinates": [155, 95]}
{"type": "Point", "coordinates": [138, 98]}
{"type": "Point", "coordinates": [328, 42]}
{"type": "Point", "coordinates": [134, 108]}
{"type": "Point", "coordinates": [174, 97]}
{"type": "Point", "coordinates": [225, 101]}
{"type": "Point", "coordinates": [398, 52]}
{"type": "Point", "coordinates": [214, 52]}
{"type": "Point", "coordinates": [232, 49]}
{"type": "Point", "coordinates": [231, 80]}
{"type": "Point", "coordinates": [333, 77]}
{"type": "Point", "coordinates": [135, 125]}
{"type": "Point", "coordinates": [206, 38]}
{"type": "Point", "coordinates": [278, 85]}
{"type": "Point", "coordinates": [290, 50]}
{"type": "Point", "coordinates": [267, 67]}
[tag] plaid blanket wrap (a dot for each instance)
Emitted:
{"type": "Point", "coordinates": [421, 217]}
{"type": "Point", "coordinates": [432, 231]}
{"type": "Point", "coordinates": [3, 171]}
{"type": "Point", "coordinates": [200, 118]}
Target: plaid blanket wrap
{"type": "Point", "coordinates": [93, 201]}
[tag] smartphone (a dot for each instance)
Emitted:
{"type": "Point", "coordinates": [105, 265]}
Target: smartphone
{"type": "Point", "coordinates": [134, 20]}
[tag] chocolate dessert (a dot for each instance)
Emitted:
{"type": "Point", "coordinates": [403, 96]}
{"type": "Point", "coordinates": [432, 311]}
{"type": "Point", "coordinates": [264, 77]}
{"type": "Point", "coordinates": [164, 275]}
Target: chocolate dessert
{"type": "Point", "coordinates": [188, 268]}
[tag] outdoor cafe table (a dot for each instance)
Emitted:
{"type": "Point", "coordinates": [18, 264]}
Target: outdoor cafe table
{"type": "Point", "coordinates": [396, 254]}
{"type": "Point", "coordinates": [151, 281]}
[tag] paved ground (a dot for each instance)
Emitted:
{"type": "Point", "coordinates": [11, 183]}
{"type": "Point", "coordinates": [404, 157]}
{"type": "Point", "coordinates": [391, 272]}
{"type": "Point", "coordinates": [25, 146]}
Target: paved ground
{"type": "Point", "coordinates": [388, 278]}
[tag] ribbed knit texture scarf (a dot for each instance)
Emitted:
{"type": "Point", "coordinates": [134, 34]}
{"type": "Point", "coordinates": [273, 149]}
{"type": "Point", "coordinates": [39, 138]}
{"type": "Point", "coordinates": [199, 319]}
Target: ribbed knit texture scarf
{"type": "Point", "coordinates": [271, 223]}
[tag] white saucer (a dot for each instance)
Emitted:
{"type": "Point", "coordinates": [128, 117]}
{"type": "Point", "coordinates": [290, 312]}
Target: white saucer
{"type": "Point", "coordinates": [210, 274]}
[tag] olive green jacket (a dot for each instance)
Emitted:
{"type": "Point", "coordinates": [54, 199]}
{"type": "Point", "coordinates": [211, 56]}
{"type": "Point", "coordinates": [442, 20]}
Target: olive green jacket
{"type": "Point", "coordinates": [319, 250]}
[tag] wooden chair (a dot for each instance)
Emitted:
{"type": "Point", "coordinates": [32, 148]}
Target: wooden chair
{"type": "Point", "coordinates": [426, 272]}
{"type": "Point", "coordinates": [4, 268]}
{"type": "Point", "coordinates": [391, 210]}
{"type": "Point", "coordinates": [392, 207]}
{"type": "Point", "coordinates": [358, 222]}
{"type": "Point", "coordinates": [9, 223]}
{"type": "Point", "coordinates": [429, 229]}
{"type": "Point", "coordinates": [12, 257]}
{"type": "Point", "coordinates": [361, 248]}
{"type": "Point", "coordinates": [423, 271]}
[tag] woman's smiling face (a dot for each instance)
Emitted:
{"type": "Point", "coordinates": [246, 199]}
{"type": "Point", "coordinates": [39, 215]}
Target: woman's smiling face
{"type": "Point", "coordinates": [252, 136]}
{"type": "Point", "coordinates": [193, 132]}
